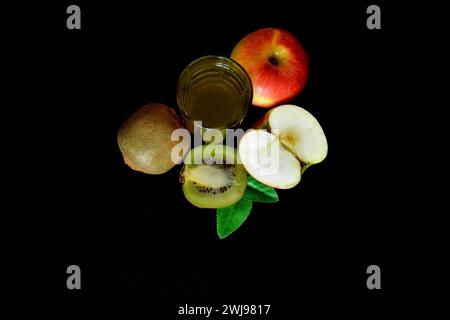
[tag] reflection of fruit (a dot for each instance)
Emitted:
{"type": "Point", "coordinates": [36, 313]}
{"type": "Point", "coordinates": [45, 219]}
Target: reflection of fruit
{"type": "Point", "coordinates": [276, 63]}
{"type": "Point", "coordinates": [212, 177]}
{"type": "Point", "coordinates": [278, 158]}
{"type": "Point", "coordinates": [145, 138]}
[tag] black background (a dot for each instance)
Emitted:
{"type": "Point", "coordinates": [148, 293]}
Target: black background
{"type": "Point", "coordinates": [135, 236]}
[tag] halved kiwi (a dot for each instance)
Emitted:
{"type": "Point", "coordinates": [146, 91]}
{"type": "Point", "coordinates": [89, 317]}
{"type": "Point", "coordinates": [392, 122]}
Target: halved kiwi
{"type": "Point", "coordinates": [212, 176]}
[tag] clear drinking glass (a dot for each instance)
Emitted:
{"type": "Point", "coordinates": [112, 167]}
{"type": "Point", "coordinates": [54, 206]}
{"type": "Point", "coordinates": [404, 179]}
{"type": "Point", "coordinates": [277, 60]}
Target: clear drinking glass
{"type": "Point", "coordinates": [216, 91]}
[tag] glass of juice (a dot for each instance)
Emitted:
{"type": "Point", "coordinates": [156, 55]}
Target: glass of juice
{"type": "Point", "coordinates": [216, 91]}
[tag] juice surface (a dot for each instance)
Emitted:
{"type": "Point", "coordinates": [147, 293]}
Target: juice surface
{"type": "Point", "coordinates": [216, 103]}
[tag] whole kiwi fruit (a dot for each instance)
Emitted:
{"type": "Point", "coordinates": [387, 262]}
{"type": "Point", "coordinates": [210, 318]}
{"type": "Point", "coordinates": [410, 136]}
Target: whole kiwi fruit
{"type": "Point", "coordinates": [145, 138]}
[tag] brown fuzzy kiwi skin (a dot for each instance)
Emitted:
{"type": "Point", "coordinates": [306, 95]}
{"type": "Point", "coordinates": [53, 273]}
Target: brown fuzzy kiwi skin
{"type": "Point", "coordinates": [145, 138]}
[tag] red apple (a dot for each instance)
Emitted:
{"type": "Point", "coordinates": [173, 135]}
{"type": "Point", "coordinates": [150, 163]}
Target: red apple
{"type": "Point", "coordinates": [277, 64]}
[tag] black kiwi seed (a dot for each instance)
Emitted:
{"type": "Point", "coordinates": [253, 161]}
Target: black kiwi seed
{"type": "Point", "coordinates": [222, 189]}
{"type": "Point", "coordinates": [230, 172]}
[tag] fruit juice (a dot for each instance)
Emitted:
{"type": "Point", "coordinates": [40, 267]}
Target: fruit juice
{"type": "Point", "coordinates": [216, 103]}
{"type": "Point", "coordinates": [216, 91]}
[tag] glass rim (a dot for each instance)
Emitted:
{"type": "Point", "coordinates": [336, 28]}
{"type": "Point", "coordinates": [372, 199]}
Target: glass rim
{"type": "Point", "coordinates": [231, 62]}
{"type": "Point", "coordinates": [217, 57]}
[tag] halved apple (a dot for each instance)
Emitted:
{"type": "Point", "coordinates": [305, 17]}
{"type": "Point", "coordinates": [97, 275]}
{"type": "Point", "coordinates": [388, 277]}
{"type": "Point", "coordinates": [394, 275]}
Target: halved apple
{"type": "Point", "coordinates": [279, 157]}
{"type": "Point", "coordinates": [300, 132]}
{"type": "Point", "coordinates": [268, 161]}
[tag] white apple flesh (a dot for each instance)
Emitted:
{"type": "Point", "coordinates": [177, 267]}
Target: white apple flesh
{"type": "Point", "coordinates": [300, 132]}
{"type": "Point", "coordinates": [268, 161]}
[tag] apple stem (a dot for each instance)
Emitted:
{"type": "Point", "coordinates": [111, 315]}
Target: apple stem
{"type": "Point", "coordinates": [273, 60]}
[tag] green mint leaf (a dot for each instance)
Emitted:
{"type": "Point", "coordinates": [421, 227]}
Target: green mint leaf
{"type": "Point", "coordinates": [232, 217]}
{"type": "Point", "coordinates": [259, 192]}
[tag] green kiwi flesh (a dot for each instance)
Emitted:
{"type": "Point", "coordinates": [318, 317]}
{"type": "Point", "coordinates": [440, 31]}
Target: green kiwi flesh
{"type": "Point", "coordinates": [215, 179]}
